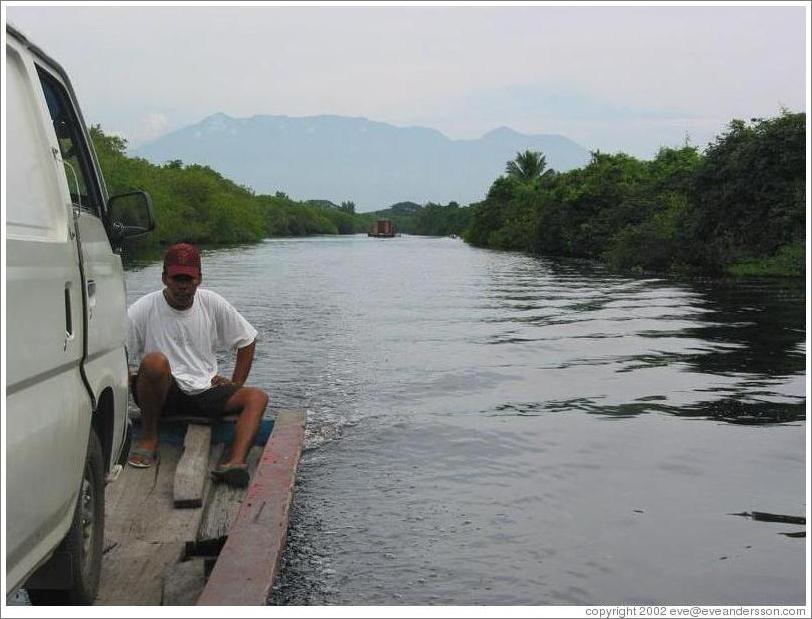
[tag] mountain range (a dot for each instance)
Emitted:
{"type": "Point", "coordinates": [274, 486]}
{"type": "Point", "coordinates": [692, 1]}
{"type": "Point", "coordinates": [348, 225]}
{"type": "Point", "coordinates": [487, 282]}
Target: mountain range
{"type": "Point", "coordinates": [339, 158]}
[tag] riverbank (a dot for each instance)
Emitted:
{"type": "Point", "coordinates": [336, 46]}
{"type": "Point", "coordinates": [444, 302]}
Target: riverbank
{"type": "Point", "coordinates": [738, 206]}
{"type": "Point", "coordinates": [788, 262]}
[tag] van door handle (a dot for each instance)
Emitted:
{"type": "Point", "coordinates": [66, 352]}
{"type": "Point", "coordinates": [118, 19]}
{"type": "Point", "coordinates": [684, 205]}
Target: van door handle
{"type": "Point", "coordinates": [91, 292]}
{"type": "Point", "coordinates": [68, 315]}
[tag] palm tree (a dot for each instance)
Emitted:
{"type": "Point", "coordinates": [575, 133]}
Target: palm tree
{"type": "Point", "coordinates": [528, 167]}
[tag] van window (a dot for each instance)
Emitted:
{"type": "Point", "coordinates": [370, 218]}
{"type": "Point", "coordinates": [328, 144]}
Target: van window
{"type": "Point", "coordinates": [76, 160]}
{"type": "Point", "coordinates": [35, 209]}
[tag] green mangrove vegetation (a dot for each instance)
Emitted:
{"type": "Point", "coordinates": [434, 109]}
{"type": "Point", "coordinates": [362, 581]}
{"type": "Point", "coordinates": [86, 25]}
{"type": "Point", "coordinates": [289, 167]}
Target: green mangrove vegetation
{"type": "Point", "coordinates": [197, 204]}
{"type": "Point", "coordinates": [739, 207]}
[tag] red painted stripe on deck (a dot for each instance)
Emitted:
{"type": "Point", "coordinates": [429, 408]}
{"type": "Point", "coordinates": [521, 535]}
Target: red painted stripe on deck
{"type": "Point", "coordinates": [248, 564]}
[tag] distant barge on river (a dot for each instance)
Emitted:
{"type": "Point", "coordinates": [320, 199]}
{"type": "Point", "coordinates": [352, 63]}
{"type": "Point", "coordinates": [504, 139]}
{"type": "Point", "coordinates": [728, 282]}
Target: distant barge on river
{"type": "Point", "coordinates": [383, 228]}
{"type": "Point", "coordinates": [174, 538]}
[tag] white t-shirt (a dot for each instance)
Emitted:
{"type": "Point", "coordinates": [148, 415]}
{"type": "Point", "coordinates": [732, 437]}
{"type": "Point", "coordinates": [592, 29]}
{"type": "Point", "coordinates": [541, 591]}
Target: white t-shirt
{"type": "Point", "coordinates": [188, 338]}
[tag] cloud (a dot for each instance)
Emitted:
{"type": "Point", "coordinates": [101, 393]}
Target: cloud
{"type": "Point", "coordinates": [553, 102]}
{"type": "Point", "coordinates": [150, 127]}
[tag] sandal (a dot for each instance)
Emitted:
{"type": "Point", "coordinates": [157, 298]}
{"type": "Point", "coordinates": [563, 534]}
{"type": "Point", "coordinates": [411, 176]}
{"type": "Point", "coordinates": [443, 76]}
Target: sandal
{"type": "Point", "coordinates": [234, 475]}
{"type": "Point", "coordinates": [142, 458]}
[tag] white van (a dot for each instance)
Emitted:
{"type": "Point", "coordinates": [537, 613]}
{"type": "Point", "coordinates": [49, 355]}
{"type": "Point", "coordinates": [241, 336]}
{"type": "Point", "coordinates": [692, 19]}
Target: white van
{"type": "Point", "coordinates": [66, 390]}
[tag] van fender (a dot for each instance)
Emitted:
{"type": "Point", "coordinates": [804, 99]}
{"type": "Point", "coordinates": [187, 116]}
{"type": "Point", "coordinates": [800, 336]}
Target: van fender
{"type": "Point", "coordinates": [109, 417]}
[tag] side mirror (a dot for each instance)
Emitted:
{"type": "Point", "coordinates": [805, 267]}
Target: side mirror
{"type": "Point", "coordinates": [130, 215]}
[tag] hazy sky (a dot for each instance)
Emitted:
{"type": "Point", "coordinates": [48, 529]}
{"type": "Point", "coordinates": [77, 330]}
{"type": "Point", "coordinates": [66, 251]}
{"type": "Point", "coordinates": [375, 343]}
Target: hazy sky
{"type": "Point", "coordinates": [609, 77]}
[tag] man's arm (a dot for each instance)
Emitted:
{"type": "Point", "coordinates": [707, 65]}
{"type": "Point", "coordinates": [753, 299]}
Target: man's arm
{"type": "Point", "coordinates": [242, 367]}
{"type": "Point", "coordinates": [232, 329]}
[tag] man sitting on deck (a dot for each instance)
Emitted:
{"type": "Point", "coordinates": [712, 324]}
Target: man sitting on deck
{"type": "Point", "coordinates": [174, 335]}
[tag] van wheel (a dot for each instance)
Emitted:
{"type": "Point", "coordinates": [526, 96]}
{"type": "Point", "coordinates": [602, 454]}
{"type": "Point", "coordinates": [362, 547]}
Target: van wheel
{"type": "Point", "coordinates": [83, 543]}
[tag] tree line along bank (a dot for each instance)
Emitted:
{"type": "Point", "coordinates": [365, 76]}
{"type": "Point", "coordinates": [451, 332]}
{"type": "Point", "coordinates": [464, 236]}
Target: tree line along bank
{"type": "Point", "coordinates": [737, 207]}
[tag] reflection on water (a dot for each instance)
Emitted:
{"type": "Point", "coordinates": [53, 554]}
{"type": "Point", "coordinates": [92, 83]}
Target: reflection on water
{"type": "Point", "coordinates": [493, 428]}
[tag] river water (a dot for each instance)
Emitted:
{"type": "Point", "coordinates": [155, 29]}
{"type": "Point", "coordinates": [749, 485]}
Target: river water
{"type": "Point", "coordinates": [494, 428]}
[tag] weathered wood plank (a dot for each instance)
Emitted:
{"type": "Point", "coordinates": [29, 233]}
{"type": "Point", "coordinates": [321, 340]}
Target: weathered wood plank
{"type": "Point", "coordinates": [191, 473]}
{"type": "Point", "coordinates": [132, 573]}
{"type": "Point", "coordinates": [140, 504]}
{"type": "Point", "coordinates": [248, 563]}
{"type": "Point", "coordinates": [125, 497]}
{"type": "Point", "coordinates": [183, 583]}
{"type": "Point", "coordinates": [223, 503]}
{"type": "Point", "coordinates": [144, 533]}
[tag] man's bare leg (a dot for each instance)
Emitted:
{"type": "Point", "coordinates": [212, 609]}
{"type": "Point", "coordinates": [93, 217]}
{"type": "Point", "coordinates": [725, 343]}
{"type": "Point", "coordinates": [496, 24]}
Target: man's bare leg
{"type": "Point", "coordinates": [154, 380]}
{"type": "Point", "coordinates": [250, 403]}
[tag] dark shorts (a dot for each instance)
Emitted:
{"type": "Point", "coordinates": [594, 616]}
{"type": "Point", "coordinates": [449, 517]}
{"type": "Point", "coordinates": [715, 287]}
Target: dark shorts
{"type": "Point", "coordinates": [210, 403]}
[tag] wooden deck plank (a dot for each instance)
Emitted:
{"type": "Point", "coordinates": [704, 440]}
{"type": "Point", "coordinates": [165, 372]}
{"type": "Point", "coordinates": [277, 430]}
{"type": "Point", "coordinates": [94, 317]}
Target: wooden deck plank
{"type": "Point", "coordinates": [191, 472]}
{"type": "Point", "coordinates": [146, 537]}
{"type": "Point", "coordinates": [247, 566]}
{"type": "Point", "coordinates": [140, 505]}
{"type": "Point", "coordinates": [223, 503]}
{"type": "Point", "coordinates": [183, 583]}
{"type": "Point", "coordinates": [144, 533]}
{"type": "Point", "coordinates": [132, 573]}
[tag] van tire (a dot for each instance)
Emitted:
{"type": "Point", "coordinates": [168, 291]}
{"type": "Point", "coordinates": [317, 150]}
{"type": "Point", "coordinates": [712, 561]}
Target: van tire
{"type": "Point", "coordinates": [85, 538]}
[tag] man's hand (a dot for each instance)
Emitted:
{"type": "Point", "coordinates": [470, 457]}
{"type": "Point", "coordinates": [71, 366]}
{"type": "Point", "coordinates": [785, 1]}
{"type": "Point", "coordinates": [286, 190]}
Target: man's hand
{"type": "Point", "coordinates": [245, 356]}
{"type": "Point", "coordinates": [220, 380]}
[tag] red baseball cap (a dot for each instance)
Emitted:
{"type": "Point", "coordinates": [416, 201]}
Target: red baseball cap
{"type": "Point", "coordinates": [182, 259]}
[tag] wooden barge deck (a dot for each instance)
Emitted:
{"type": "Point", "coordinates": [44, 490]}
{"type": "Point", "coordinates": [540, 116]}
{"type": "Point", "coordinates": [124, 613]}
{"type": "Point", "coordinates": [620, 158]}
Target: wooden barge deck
{"type": "Point", "coordinates": [222, 545]}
